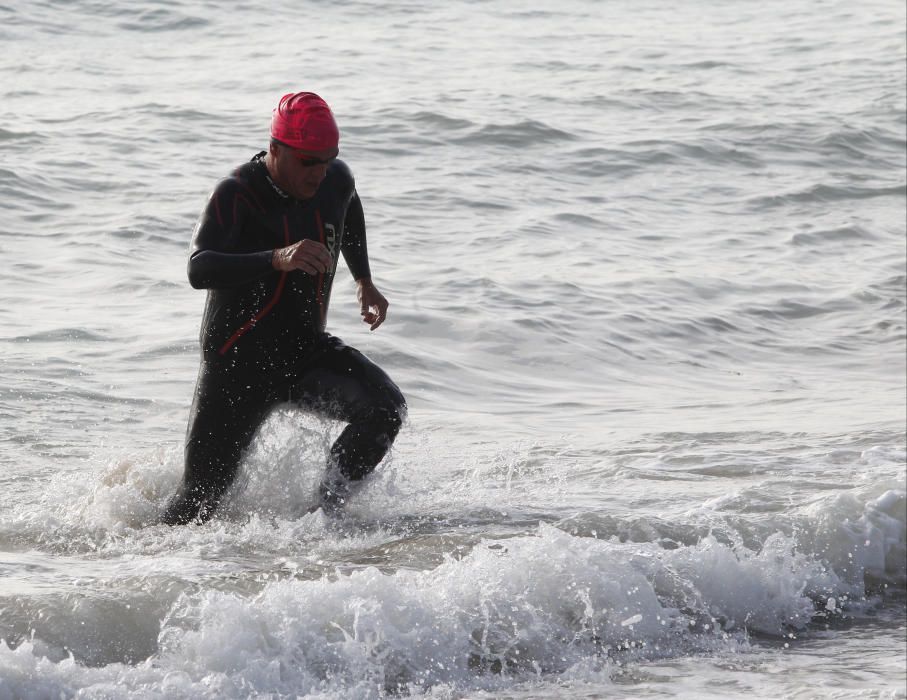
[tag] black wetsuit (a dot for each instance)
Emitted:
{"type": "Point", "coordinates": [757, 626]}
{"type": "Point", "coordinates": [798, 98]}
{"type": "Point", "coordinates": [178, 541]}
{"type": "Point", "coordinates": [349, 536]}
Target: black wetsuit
{"type": "Point", "coordinates": [262, 337]}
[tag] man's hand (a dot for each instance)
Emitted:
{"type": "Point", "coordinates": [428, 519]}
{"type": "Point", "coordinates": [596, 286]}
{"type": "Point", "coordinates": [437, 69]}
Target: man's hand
{"type": "Point", "coordinates": [372, 304]}
{"type": "Point", "coordinates": [307, 255]}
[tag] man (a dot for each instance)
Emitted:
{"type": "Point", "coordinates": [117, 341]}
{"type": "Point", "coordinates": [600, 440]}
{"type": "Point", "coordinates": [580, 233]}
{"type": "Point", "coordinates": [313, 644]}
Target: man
{"type": "Point", "coordinates": [266, 249]}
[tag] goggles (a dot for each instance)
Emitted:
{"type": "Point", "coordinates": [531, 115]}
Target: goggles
{"type": "Point", "coordinates": [306, 160]}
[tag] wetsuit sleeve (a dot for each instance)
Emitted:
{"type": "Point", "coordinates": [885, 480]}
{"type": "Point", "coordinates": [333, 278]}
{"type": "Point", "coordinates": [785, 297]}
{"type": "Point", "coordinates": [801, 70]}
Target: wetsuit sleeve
{"type": "Point", "coordinates": [215, 257]}
{"type": "Point", "coordinates": [354, 248]}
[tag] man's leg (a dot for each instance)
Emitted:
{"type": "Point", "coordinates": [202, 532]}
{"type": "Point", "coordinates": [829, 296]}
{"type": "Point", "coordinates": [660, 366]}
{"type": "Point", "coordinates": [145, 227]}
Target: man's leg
{"type": "Point", "coordinates": [225, 414]}
{"type": "Point", "coordinates": [345, 385]}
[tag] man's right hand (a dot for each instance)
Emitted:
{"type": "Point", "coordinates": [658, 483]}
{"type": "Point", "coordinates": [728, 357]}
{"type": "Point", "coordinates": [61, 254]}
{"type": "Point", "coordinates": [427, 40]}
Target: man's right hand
{"type": "Point", "coordinates": [306, 255]}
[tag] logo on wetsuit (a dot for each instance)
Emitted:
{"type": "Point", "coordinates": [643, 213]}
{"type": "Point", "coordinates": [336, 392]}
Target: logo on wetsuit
{"type": "Point", "coordinates": [330, 239]}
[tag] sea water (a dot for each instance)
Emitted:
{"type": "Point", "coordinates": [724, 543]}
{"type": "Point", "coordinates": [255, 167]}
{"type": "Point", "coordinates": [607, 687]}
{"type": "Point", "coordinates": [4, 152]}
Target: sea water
{"type": "Point", "coordinates": [646, 268]}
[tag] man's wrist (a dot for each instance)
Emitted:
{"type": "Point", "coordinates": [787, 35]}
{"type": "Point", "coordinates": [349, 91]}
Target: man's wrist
{"type": "Point", "coordinates": [364, 282]}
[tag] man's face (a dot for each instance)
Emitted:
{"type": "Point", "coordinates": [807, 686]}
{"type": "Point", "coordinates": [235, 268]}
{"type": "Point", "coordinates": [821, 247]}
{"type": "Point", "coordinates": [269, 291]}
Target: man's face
{"type": "Point", "coordinates": [300, 172]}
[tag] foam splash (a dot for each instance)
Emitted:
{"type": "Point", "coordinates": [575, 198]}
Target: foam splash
{"type": "Point", "coordinates": [543, 605]}
{"type": "Point", "coordinates": [863, 542]}
{"type": "Point", "coordinates": [87, 512]}
{"type": "Point", "coordinates": [534, 606]}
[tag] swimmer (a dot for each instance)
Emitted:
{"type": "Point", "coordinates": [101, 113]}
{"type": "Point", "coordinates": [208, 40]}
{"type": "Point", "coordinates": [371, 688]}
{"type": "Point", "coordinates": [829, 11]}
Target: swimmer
{"type": "Point", "coordinates": [266, 248]}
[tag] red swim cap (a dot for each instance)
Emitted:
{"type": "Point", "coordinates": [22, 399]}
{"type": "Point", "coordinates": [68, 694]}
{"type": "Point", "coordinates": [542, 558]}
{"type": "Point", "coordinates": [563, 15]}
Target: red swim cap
{"type": "Point", "coordinates": [303, 120]}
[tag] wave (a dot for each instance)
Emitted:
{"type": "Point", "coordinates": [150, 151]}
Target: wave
{"type": "Point", "coordinates": [545, 604]}
{"type": "Point", "coordinates": [160, 20]}
{"type": "Point", "coordinates": [843, 234]}
{"type": "Point", "coordinates": [404, 599]}
{"type": "Point", "coordinates": [827, 193]}
{"type": "Point", "coordinates": [56, 335]}
{"type": "Point", "coordinates": [657, 152]}
{"type": "Point", "coordinates": [525, 133]}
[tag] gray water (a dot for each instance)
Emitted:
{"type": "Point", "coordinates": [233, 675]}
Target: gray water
{"type": "Point", "coordinates": [646, 266]}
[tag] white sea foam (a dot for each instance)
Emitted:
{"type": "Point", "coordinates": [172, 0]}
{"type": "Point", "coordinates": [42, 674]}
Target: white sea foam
{"type": "Point", "coordinates": [509, 609]}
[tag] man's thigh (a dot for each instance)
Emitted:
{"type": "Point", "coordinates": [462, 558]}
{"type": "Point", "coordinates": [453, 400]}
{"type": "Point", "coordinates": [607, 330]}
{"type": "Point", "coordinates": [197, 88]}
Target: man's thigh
{"type": "Point", "coordinates": [226, 412]}
{"type": "Point", "coordinates": [343, 384]}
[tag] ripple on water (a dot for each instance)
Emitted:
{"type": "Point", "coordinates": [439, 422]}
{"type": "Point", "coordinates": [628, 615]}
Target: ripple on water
{"type": "Point", "coordinates": [523, 134]}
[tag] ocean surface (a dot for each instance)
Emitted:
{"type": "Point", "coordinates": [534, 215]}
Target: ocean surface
{"type": "Point", "coordinates": [646, 267]}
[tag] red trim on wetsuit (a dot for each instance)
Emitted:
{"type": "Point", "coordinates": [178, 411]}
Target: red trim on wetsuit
{"type": "Point", "coordinates": [254, 196]}
{"type": "Point", "coordinates": [270, 305]}
{"type": "Point", "coordinates": [236, 200]}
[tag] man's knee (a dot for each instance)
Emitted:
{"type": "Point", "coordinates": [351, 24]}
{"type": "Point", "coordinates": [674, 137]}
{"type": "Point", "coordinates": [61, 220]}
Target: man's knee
{"type": "Point", "coordinates": [364, 443]}
{"type": "Point", "coordinates": [385, 421]}
{"type": "Point", "coordinates": [395, 415]}
{"type": "Point", "coordinates": [393, 408]}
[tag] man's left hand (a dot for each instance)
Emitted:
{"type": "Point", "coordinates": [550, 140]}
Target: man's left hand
{"type": "Point", "coordinates": [372, 304]}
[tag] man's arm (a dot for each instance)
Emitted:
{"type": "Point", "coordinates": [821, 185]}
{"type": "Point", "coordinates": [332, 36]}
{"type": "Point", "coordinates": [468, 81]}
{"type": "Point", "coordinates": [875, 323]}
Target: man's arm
{"type": "Point", "coordinates": [354, 248]}
{"type": "Point", "coordinates": [212, 262]}
{"type": "Point", "coordinates": [372, 304]}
